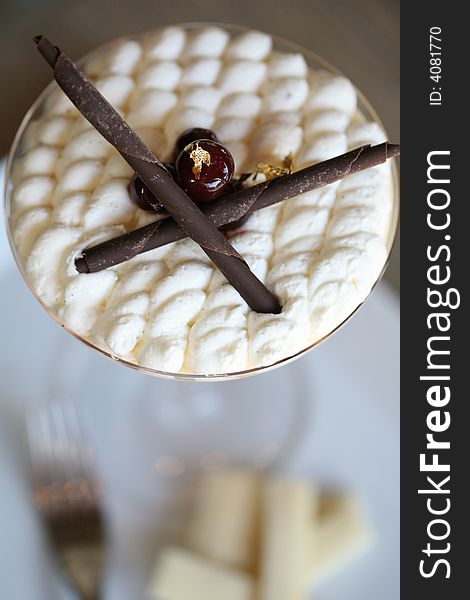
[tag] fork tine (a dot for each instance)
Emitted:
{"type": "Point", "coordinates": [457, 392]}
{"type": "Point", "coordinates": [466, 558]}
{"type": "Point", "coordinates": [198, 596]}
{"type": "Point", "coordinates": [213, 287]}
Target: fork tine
{"type": "Point", "coordinates": [65, 491]}
{"type": "Point", "coordinates": [67, 436]}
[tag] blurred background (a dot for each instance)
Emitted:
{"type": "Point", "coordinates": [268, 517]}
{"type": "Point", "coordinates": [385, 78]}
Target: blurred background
{"type": "Point", "coordinates": [360, 37]}
{"type": "Point", "coordinates": [331, 417]}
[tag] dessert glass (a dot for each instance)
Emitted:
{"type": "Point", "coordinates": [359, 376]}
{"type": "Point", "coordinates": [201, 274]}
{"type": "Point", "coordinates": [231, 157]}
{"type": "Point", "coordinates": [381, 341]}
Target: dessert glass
{"type": "Point", "coordinates": [364, 112]}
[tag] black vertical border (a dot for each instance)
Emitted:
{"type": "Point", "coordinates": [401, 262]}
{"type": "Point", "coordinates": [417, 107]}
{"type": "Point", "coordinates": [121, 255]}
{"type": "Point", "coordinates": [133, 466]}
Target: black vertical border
{"type": "Point", "coordinates": [425, 128]}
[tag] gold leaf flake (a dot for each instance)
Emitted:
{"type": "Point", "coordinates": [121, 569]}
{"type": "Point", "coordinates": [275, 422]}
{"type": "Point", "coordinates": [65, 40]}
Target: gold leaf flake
{"type": "Point", "coordinates": [200, 157]}
{"type": "Point", "coordinates": [271, 171]}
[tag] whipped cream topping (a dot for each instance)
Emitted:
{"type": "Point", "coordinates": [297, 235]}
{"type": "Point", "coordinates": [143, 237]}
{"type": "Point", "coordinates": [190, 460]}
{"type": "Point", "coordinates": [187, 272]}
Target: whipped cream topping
{"type": "Point", "coordinates": [170, 309]}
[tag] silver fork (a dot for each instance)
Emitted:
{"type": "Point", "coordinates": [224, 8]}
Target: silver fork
{"type": "Point", "coordinates": [66, 494]}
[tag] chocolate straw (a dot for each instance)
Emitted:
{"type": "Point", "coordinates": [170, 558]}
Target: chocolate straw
{"type": "Point", "coordinates": [232, 207]}
{"type": "Point", "coordinates": [97, 110]}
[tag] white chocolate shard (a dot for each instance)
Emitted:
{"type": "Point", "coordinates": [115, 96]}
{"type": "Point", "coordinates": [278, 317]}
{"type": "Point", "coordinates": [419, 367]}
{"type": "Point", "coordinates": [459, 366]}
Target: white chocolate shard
{"type": "Point", "coordinates": [182, 575]}
{"type": "Point", "coordinates": [343, 533]}
{"type": "Point", "coordinates": [287, 539]}
{"type": "Point", "coordinates": [224, 525]}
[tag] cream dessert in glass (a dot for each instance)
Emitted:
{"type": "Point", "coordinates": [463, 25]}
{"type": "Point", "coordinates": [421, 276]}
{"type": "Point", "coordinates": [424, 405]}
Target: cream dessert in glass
{"type": "Point", "coordinates": [169, 311]}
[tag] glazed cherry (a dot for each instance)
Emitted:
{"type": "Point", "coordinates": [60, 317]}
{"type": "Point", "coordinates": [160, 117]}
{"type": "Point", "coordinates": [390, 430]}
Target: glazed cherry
{"type": "Point", "coordinates": [204, 169]}
{"type": "Point", "coordinates": [142, 196]}
{"type": "Point", "coordinates": [191, 135]}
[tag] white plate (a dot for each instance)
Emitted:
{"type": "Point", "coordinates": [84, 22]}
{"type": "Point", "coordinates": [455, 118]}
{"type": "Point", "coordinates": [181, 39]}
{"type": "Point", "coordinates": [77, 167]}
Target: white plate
{"type": "Point", "coordinates": [331, 416]}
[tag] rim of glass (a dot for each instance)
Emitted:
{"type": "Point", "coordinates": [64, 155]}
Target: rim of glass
{"type": "Point", "coordinates": [315, 61]}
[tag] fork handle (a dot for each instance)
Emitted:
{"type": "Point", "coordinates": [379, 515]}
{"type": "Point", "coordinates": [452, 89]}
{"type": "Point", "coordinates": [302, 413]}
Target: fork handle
{"type": "Point", "coordinates": [83, 565]}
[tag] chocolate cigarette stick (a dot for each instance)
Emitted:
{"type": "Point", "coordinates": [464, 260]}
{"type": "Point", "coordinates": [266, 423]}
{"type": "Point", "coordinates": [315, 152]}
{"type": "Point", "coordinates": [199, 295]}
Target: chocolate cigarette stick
{"type": "Point", "coordinates": [97, 110]}
{"type": "Point", "coordinates": [232, 207]}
